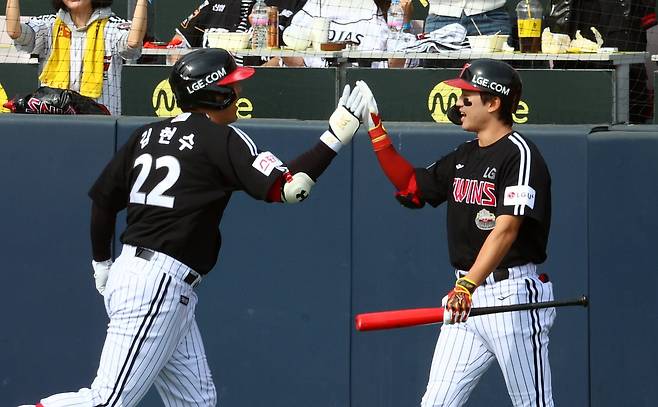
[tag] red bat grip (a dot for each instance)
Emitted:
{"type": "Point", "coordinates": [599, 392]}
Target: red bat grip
{"type": "Point", "coordinates": [398, 319]}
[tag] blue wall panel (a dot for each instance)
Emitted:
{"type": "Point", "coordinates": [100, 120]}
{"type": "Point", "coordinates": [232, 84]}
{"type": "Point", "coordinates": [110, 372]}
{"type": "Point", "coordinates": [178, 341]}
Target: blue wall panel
{"type": "Point", "coordinates": [276, 313]}
{"type": "Point", "coordinates": [52, 317]}
{"type": "Point", "coordinates": [623, 269]}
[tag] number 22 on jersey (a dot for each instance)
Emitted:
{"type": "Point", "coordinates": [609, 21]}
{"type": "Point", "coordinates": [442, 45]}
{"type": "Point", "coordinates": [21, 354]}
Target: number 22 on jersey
{"type": "Point", "coordinates": [156, 196]}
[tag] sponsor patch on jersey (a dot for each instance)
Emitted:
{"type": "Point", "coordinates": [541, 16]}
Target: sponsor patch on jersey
{"type": "Point", "coordinates": [265, 162]}
{"type": "Point", "coordinates": [184, 300]}
{"type": "Point", "coordinates": [485, 220]}
{"type": "Point", "coordinates": [520, 195]}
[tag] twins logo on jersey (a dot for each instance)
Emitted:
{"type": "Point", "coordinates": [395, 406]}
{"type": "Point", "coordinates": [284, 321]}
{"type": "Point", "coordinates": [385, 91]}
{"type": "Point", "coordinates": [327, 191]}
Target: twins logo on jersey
{"type": "Point", "coordinates": [474, 192]}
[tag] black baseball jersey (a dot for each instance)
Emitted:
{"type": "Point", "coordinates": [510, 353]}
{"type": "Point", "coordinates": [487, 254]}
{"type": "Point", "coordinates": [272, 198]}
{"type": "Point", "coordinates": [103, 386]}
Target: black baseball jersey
{"type": "Point", "coordinates": [231, 15]}
{"type": "Point", "coordinates": [176, 177]}
{"type": "Point", "coordinates": [508, 177]}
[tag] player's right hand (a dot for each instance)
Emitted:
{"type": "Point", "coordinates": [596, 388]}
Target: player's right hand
{"type": "Point", "coordinates": [457, 307]}
{"type": "Point", "coordinates": [101, 273]}
{"type": "Point", "coordinates": [457, 304]}
{"type": "Point", "coordinates": [344, 122]}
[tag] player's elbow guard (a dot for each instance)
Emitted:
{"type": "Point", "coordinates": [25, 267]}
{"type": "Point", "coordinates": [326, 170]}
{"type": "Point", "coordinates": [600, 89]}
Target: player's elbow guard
{"type": "Point", "coordinates": [296, 188]}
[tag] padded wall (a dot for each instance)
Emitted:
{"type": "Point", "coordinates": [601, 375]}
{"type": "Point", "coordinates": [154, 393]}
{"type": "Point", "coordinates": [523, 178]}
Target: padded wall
{"type": "Point", "coordinates": [53, 320]}
{"type": "Point", "coordinates": [623, 273]}
{"type": "Point", "coordinates": [276, 313]}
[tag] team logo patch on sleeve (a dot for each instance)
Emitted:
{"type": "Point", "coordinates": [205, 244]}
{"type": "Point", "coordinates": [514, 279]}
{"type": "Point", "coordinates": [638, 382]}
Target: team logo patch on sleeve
{"type": "Point", "coordinates": [265, 162]}
{"type": "Point", "coordinates": [523, 195]}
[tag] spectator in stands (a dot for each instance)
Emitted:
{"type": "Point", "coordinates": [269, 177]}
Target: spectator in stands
{"type": "Point", "coordinates": [82, 46]}
{"type": "Point", "coordinates": [477, 16]}
{"type": "Point", "coordinates": [624, 25]}
{"type": "Point", "coordinates": [361, 22]}
{"type": "Point", "coordinates": [232, 15]}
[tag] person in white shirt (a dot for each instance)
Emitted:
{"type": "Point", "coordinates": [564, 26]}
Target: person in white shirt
{"type": "Point", "coordinates": [477, 16]}
{"type": "Point", "coordinates": [360, 22]}
{"type": "Point", "coordinates": [82, 46]}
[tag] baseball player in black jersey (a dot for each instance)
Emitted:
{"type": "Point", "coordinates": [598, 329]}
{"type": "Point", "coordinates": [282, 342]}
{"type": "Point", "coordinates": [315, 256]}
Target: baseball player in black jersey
{"type": "Point", "coordinates": [175, 178]}
{"type": "Point", "coordinates": [498, 193]}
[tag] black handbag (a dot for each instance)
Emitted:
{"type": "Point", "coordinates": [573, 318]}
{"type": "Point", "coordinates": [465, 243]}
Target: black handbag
{"type": "Point", "coordinates": [47, 100]}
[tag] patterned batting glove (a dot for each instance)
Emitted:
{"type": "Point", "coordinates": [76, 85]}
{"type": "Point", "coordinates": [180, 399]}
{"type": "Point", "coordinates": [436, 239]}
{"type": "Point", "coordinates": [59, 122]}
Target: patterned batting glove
{"type": "Point", "coordinates": [458, 302]}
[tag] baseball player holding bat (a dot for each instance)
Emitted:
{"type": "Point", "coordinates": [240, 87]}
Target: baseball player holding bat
{"type": "Point", "coordinates": [498, 194]}
{"type": "Point", "coordinates": [175, 178]}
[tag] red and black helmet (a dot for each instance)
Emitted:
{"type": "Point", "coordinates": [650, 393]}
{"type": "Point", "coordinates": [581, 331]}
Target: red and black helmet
{"type": "Point", "coordinates": [201, 79]}
{"type": "Point", "coordinates": [490, 76]}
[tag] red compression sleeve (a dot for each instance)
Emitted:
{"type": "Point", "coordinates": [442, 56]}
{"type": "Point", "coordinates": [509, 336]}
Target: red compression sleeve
{"type": "Point", "coordinates": [397, 168]}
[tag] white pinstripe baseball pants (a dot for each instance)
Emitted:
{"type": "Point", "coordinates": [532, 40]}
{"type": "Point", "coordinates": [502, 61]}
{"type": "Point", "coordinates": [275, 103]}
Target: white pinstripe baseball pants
{"type": "Point", "coordinates": [152, 339]}
{"type": "Point", "coordinates": [517, 340]}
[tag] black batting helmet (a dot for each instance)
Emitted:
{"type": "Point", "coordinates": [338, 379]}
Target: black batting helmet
{"type": "Point", "coordinates": [201, 79]}
{"type": "Point", "coordinates": [490, 76]}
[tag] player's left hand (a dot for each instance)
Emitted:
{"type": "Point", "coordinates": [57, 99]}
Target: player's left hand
{"type": "Point", "coordinates": [458, 302]}
{"type": "Point", "coordinates": [101, 273]}
{"type": "Point", "coordinates": [378, 135]}
{"type": "Point", "coordinates": [370, 111]}
{"type": "Point", "coordinates": [344, 122]}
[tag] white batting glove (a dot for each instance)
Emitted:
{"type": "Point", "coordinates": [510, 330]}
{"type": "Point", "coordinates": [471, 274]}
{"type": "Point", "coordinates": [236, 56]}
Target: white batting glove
{"type": "Point", "coordinates": [345, 120]}
{"type": "Point", "coordinates": [370, 112]}
{"type": "Point", "coordinates": [101, 273]}
{"type": "Point", "coordinates": [296, 188]}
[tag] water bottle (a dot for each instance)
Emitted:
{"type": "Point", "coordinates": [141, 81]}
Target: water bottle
{"type": "Point", "coordinates": [259, 20]}
{"type": "Point", "coordinates": [395, 18]}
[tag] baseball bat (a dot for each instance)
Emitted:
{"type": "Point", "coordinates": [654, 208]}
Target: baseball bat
{"type": "Point", "coordinates": [372, 321]}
